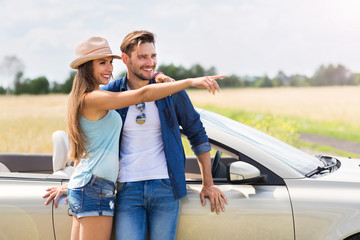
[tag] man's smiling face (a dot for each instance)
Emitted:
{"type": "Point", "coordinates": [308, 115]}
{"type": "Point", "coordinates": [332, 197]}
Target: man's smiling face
{"type": "Point", "coordinates": [142, 62]}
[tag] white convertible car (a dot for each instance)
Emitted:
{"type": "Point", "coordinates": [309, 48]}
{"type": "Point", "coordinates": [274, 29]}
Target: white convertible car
{"type": "Point", "coordinates": [275, 191]}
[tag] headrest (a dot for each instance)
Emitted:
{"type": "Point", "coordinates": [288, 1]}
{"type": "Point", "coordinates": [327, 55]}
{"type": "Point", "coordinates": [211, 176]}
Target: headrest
{"type": "Point", "coordinates": [3, 168]}
{"type": "Point", "coordinates": [60, 152]}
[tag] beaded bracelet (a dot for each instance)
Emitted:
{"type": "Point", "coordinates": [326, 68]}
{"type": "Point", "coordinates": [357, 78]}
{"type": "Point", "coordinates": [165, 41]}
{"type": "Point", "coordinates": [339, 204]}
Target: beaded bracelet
{"type": "Point", "coordinates": [157, 73]}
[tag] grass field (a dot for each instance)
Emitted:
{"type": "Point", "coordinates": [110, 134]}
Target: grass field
{"type": "Point", "coordinates": [27, 122]}
{"type": "Point", "coordinates": [328, 111]}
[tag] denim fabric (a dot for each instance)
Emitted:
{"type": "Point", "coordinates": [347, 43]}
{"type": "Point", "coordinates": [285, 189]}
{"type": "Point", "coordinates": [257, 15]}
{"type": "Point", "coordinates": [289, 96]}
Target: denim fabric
{"type": "Point", "coordinates": [146, 206]}
{"type": "Point", "coordinates": [174, 111]}
{"type": "Point", "coordinates": [96, 198]}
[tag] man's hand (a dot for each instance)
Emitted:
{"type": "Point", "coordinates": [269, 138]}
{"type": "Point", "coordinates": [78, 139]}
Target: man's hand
{"type": "Point", "coordinates": [216, 196]}
{"type": "Point", "coordinates": [162, 78]}
{"type": "Point", "coordinates": [55, 193]}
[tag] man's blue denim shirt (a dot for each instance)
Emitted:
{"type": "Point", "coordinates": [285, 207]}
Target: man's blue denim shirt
{"type": "Point", "coordinates": [174, 111]}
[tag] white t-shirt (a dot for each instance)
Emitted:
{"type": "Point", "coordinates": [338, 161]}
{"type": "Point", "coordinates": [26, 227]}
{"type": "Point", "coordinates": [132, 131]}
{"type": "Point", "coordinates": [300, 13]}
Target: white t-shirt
{"type": "Point", "coordinates": [142, 155]}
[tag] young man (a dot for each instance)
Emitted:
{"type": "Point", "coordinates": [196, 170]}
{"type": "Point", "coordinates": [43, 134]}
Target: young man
{"type": "Point", "coordinates": [152, 175]}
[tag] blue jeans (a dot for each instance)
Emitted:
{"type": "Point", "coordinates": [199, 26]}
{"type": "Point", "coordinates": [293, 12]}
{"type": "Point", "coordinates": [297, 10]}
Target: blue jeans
{"type": "Point", "coordinates": [96, 198]}
{"type": "Point", "coordinates": [146, 207]}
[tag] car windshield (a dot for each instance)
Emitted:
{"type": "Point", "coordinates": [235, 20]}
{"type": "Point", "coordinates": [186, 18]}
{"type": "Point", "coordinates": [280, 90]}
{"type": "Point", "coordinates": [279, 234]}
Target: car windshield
{"type": "Point", "coordinates": [295, 158]}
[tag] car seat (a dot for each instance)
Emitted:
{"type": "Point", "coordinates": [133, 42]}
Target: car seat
{"type": "Point", "coordinates": [60, 159]}
{"type": "Point", "coordinates": [3, 168]}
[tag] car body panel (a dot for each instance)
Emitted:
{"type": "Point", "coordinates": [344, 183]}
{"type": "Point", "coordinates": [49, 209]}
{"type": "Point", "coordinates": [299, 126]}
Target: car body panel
{"type": "Point", "coordinates": [23, 213]}
{"type": "Point", "coordinates": [332, 212]}
{"type": "Point", "coordinates": [348, 171]}
{"type": "Point", "coordinates": [252, 211]}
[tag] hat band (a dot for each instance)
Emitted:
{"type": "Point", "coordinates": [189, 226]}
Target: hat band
{"type": "Point", "coordinates": [98, 49]}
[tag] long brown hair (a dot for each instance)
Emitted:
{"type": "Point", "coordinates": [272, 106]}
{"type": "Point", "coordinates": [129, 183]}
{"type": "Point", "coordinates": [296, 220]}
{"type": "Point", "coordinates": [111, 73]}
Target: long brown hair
{"type": "Point", "coordinates": [84, 82]}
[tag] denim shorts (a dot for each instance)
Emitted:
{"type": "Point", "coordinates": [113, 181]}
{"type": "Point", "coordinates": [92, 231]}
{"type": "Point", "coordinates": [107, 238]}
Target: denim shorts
{"type": "Point", "coordinates": [96, 198]}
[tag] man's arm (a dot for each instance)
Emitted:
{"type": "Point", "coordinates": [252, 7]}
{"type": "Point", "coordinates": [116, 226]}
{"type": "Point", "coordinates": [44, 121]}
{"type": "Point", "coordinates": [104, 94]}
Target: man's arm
{"type": "Point", "coordinates": [209, 190]}
{"type": "Point", "coordinates": [193, 128]}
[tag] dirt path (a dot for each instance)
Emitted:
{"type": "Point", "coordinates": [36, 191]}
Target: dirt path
{"type": "Point", "coordinates": [343, 145]}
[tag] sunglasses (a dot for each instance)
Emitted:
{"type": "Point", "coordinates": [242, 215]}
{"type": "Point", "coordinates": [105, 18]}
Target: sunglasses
{"type": "Point", "coordinates": [140, 119]}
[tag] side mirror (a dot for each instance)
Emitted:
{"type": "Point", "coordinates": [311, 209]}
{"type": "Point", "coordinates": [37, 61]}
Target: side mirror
{"type": "Point", "coordinates": [241, 172]}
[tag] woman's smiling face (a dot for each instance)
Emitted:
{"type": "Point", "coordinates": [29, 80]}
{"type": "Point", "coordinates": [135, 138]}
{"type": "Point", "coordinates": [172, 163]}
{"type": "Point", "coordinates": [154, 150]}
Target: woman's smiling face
{"type": "Point", "coordinates": [103, 69]}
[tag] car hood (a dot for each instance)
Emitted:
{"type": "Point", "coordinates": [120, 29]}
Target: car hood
{"type": "Point", "coordinates": [349, 171]}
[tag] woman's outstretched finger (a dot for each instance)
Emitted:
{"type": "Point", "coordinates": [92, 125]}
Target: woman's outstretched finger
{"type": "Point", "coordinates": [215, 77]}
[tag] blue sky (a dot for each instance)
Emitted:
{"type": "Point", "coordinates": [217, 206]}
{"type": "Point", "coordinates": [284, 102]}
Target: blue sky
{"type": "Point", "coordinates": [243, 37]}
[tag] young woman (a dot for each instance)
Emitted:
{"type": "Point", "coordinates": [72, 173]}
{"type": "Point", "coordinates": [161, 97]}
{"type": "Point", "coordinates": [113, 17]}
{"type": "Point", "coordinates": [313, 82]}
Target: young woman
{"type": "Point", "coordinates": [94, 128]}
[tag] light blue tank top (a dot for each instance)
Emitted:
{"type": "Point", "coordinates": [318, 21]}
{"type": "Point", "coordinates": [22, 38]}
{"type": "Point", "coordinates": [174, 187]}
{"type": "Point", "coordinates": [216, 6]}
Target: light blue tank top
{"type": "Point", "coordinates": [103, 148]}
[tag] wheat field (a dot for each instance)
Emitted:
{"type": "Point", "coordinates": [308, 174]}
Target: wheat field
{"type": "Point", "coordinates": [27, 122]}
{"type": "Point", "coordinates": [316, 103]}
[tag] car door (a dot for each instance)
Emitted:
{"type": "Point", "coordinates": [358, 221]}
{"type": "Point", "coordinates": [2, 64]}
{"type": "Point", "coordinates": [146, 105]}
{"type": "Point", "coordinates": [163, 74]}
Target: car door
{"type": "Point", "coordinates": [254, 211]}
{"type": "Point", "coordinates": [23, 214]}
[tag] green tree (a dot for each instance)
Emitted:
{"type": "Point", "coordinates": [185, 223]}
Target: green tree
{"type": "Point", "coordinates": [2, 90]}
{"type": "Point", "coordinates": [230, 81]}
{"type": "Point", "coordinates": [211, 71]}
{"type": "Point", "coordinates": [56, 87]}
{"type": "Point", "coordinates": [174, 72]}
{"type": "Point", "coordinates": [18, 83]}
{"type": "Point", "coordinates": [10, 67]}
{"type": "Point", "coordinates": [180, 72]}
{"type": "Point", "coordinates": [280, 79]}
{"type": "Point", "coordinates": [196, 71]}
{"type": "Point", "coordinates": [38, 85]}
{"type": "Point", "coordinates": [263, 82]}
{"type": "Point", "coordinates": [68, 83]}
{"type": "Point", "coordinates": [66, 86]}
{"type": "Point", "coordinates": [331, 75]}
{"type": "Point", "coordinates": [298, 81]}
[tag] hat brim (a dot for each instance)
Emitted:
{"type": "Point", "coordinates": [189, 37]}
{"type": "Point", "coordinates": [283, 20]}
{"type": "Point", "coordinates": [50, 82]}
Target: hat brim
{"type": "Point", "coordinates": [83, 59]}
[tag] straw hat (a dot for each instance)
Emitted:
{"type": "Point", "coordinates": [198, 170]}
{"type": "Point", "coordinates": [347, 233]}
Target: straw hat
{"type": "Point", "coordinates": [90, 49]}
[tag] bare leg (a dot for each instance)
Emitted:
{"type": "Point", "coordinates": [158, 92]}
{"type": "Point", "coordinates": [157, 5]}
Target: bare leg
{"type": "Point", "coordinates": [96, 228]}
{"type": "Point", "coordinates": [75, 230]}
